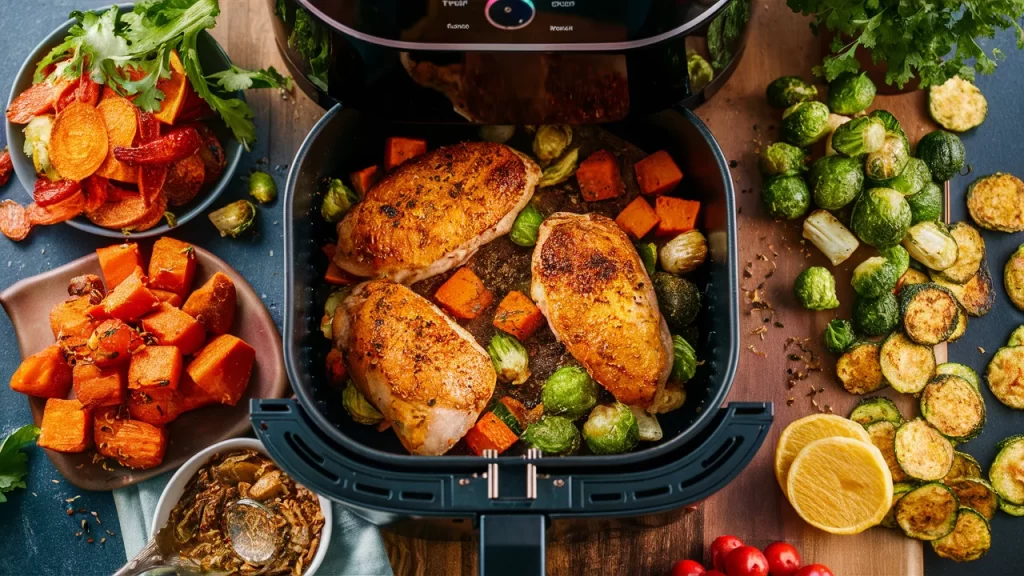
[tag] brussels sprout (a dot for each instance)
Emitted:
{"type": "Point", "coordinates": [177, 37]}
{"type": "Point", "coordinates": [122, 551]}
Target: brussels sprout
{"type": "Point", "coordinates": [931, 244]}
{"type": "Point", "coordinates": [927, 204]}
{"type": "Point", "coordinates": [510, 358]}
{"type": "Point", "coordinates": [569, 392]}
{"type": "Point", "coordinates": [648, 252]}
{"type": "Point", "coordinates": [358, 407]}
{"type": "Point", "coordinates": [525, 228]}
{"type": "Point", "coordinates": [781, 159]}
{"type": "Point", "coordinates": [648, 428]}
{"type": "Point", "coordinates": [37, 145]}
{"type": "Point", "coordinates": [671, 397]}
{"type": "Point", "coordinates": [851, 93]}
{"type": "Point", "coordinates": [876, 316]}
{"type": "Point", "coordinates": [911, 180]}
{"type": "Point", "coordinates": [898, 257]}
{"type": "Point", "coordinates": [553, 436]}
{"type": "Point", "coordinates": [550, 141]}
{"type": "Point", "coordinates": [611, 429]}
{"type": "Point", "coordinates": [786, 91]}
{"type": "Point", "coordinates": [943, 152]}
{"type": "Point", "coordinates": [337, 201]}
{"type": "Point", "coordinates": [834, 121]}
{"type": "Point", "coordinates": [829, 235]}
{"type": "Point", "coordinates": [330, 306]}
{"type": "Point", "coordinates": [804, 123]}
{"type": "Point", "coordinates": [786, 197]}
{"type": "Point", "coordinates": [881, 217]}
{"type": "Point", "coordinates": [889, 160]}
{"type": "Point", "coordinates": [839, 336]}
{"type": "Point", "coordinates": [892, 125]}
{"type": "Point", "coordinates": [234, 219]}
{"type": "Point", "coordinates": [497, 133]}
{"type": "Point", "coordinates": [684, 253]}
{"type": "Point", "coordinates": [561, 170]}
{"type": "Point", "coordinates": [678, 299]}
{"type": "Point", "coordinates": [262, 187]}
{"type": "Point", "coordinates": [835, 181]}
{"type": "Point", "coordinates": [859, 136]}
{"type": "Point", "coordinates": [815, 289]}
{"type": "Point", "coordinates": [700, 71]}
{"type": "Point", "coordinates": [874, 277]}
{"type": "Point", "coordinates": [684, 360]}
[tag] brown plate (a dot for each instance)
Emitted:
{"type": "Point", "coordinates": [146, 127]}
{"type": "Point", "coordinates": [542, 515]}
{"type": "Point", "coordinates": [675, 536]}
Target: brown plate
{"type": "Point", "coordinates": [28, 304]}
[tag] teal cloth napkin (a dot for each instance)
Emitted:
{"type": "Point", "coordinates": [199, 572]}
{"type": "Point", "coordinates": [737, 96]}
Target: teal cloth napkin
{"type": "Point", "coordinates": [356, 548]}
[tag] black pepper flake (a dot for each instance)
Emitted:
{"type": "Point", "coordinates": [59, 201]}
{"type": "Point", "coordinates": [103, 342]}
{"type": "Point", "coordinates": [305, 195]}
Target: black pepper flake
{"type": "Point", "coordinates": [779, 324]}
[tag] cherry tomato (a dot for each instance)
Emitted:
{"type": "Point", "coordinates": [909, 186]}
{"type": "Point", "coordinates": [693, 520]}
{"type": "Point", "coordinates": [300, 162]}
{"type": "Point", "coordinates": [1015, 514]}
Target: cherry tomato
{"type": "Point", "coordinates": [746, 561]}
{"type": "Point", "coordinates": [783, 559]}
{"type": "Point", "coordinates": [721, 547]}
{"type": "Point", "coordinates": [813, 570]}
{"type": "Point", "coordinates": [688, 568]}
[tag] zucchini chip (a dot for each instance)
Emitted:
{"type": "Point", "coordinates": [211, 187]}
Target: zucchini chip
{"type": "Point", "coordinates": [931, 244]}
{"type": "Point", "coordinates": [899, 490]}
{"type": "Point", "coordinates": [883, 435]}
{"type": "Point", "coordinates": [909, 278]}
{"type": "Point", "coordinates": [957, 105]}
{"type": "Point", "coordinates": [927, 512]}
{"type": "Point", "coordinates": [964, 466]}
{"type": "Point", "coordinates": [922, 451]}
{"type": "Point", "coordinates": [1005, 473]}
{"type": "Point", "coordinates": [859, 369]}
{"type": "Point", "coordinates": [1016, 337]}
{"type": "Point", "coordinates": [1011, 509]}
{"type": "Point", "coordinates": [960, 370]}
{"type": "Point", "coordinates": [905, 365]}
{"type": "Point", "coordinates": [954, 407]}
{"type": "Point", "coordinates": [970, 253]}
{"type": "Point", "coordinates": [1013, 278]}
{"type": "Point", "coordinates": [970, 539]}
{"type": "Point", "coordinates": [929, 313]}
{"type": "Point", "coordinates": [977, 494]}
{"type": "Point", "coordinates": [996, 202]}
{"type": "Point", "coordinates": [976, 296]}
{"type": "Point", "coordinates": [874, 409]}
{"type": "Point", "coordinates": [961, 324]}
{"type": "Point", "coordinates": [1005, 376]}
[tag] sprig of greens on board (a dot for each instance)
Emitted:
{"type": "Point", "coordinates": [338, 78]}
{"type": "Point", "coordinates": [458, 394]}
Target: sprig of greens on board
{"type": "Point", "coordinates": [14, 462]}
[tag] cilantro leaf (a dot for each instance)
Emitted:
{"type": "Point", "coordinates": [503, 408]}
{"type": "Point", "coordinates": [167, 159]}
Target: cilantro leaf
{"type": "Point", "coordinates": [236, 78]}
{"type": "Point", "coordinates": [235, 113]}
{"type": "Point", "coordinates": [14, 462]}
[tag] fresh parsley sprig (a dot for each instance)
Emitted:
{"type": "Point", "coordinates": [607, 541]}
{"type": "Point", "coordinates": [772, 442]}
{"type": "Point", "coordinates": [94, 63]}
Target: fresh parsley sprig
{"type": "Point", "coordinates": [14, 462]}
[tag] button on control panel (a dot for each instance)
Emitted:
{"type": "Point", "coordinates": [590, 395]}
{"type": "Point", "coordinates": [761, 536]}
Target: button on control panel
{"type": "Point", "coordinates": [510, 14]}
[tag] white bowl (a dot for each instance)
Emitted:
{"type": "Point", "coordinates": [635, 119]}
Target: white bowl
{"type": "Point", "coordinates": [176, 486]}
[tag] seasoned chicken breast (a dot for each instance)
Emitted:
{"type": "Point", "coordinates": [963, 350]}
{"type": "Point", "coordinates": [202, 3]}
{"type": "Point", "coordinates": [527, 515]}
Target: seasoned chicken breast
{"type": "Point", "coordinates": [433, 212]}
{"type": "Point", "coordinates": [589, 282]}
{"type": "Point", "coordinates": [424, 372]}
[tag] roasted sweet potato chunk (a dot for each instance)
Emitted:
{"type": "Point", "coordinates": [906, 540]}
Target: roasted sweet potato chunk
{"type": "Point", "coordinates": [155, 367]}
{"type": "Point", "coordinates": [71, 324]}
{"type": "Point", "coordinates": [136, 444]}
{"type": "Point", "coordinates": [156, 406]}
{"type": "Point", "coordinates": [45, 374]}
{"type": "Point", "coordinates": [191, 396]}
{"type": "Point", "coordinates": [67, 426]}
{"type": "Point", "coordinates": [213, 304]}
{"type": "Point", "coordinates": [222, 368]}
{"type": "Point", "coordinates": [172, 266]}
{"type": "Point", "coordinates": [167, 297]}
{"type": "Point", "coordinates": [96, 387]}
{"type": "Point", "coordinates": [118, 262]}
{"type": "Point", "coordinates": [113, 342]}
{"type": "Point", "coordinates": [131, 299]}
{"type": "Point", "coordinates": [172, 327]}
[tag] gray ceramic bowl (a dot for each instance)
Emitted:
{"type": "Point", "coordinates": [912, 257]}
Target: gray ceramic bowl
{"type": "Point", "coordinates": [213, 59]}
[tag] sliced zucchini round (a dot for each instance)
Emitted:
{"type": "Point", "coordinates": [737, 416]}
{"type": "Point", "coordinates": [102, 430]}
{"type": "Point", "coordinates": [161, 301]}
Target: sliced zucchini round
{"type": "Point", "coordinates": [922, 451]}
{"type": "Point", "coordinates": [960, 370]}
{"type": "Point", "coordinates": [899, 490]}
{"type": "Point", "coordinates": [1006, 475]}
{"type": "Point", "coordinates": [1011, 509]}
{"type": "Point", "coordinates": [970, 539]}
{"type": "Point", "coordinates": [977, 494]}
{"type": "Point", "coordinates": [961, 324]}
{"type": "Point", "coordinates": [996, 202]}
{"type": "Point", "coordinates": [1013, 277]}
{"type": "Point", "coordinates": [883, 435]}
{"type": "Point", "coordinates": [1005, 376]}
{"type": "Point", "coordinates": [964, 466]}
{"type": "Point", "coordinates": [954, 407]}
{"type": "Point", "coordinates": [957, 105]}
{"type": "Point", "coordinates": [931, 244]}
{"type": "Point", "coordinates": [1016, 337]}
{"type": "Point", "coordinates": [929, 313]}
{"type": "Point", "coordinates": [976, 296]}
{"type": "Point", "coordinates": [905, 365]}
{"type": "Point", "coordinates": [874, 409]}
{"type": "Point", "coordinates": [859, 370]}
{"type": "Point", "coordinates": [909, 278]}
{"type": "Point", "coordinates": [927, 512]}
{"type": "Point", "coordinates": [970, 253]}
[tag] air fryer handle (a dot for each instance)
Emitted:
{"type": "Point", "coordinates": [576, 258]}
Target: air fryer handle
{"type": "Point", "coordinates": [512, 545]}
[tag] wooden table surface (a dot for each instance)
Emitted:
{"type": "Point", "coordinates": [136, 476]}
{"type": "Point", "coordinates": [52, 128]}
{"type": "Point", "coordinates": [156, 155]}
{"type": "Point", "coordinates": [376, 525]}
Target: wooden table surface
{"type": "Point", "coordinates": [751, 507]}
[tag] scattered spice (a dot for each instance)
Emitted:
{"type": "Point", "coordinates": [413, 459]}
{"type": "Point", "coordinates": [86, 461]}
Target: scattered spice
{"type": "Point", "coordinates": [790, 401]}
{"type": "Point", "coordinates": [756, 351]}
{"type": "Point", "coordinates": [980, 349]}
{"type": "Point", "coordinates": [69, 500]}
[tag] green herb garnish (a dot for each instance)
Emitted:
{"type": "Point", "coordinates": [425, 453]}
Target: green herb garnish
{"type": "Point", "coordinates": [14, 462]}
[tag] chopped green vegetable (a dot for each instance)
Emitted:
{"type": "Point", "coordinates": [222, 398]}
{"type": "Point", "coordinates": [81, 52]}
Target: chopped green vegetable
{"type": "Point", "coordinates": [876, 316]}
{"type": "Point", "coordinates": [358, 407]}
{"type": "Point", "coordinates": [700, 71]}
{"type": "Point", "coordinates": [510, 358]}
{"type": "Point", "coordinates": [835, 181]}
{"type": "Point", "coordinates": [234, 79]}
{"type": "Point", "coordinates": [550, 141]}
{"type": "Point", "coordinates": [313, 42]}
{"type": "Point", "coordinates": [569, 392]}
{"type": "Point", "coordinates": [553, 436]}
{"type": "Point", "coordinates": [927, 204]}
{"type": "Point", "coordinates": [931, 244]}
{"type": "Point", "coordinates": [786, 91]}
{"type": "Point", "coordinates": [781, 159]}
{"type": "Point", "coordinates": [850, 93]}
{"type": "Point", "coordinates": [859, 136]}
{"type": "Point", "coordinates": [834, 121]}
{"type": "Point", "coordinates": [338, 199]}
{"type": "Point", "coordinates": [648, 252]}
{"type": "Point", "coordinates": [881, 217]}
{"type": "Point", "coordinates": [262, 187]}
{"type": "Point", "coordinates": [561, 170]}
{"type": "Point", "coordinates": [684, 253]}
{"type": "Point", "coordinates": [235, 218]}
{"type": "Point", "coordinates": [14, 462]}
{"type": "Point", "coordinates": [526, 227]}
{"type": "Point", "coordinates": [839, 336]}
{"type": "Point", "coordinates": [943, 152]}
{"type": "Point", "coordinates": [330, 306]}
{"type": "Point", "coordinates": [786, 197]}
{"type": "Point", "coordinates": [805, 123]}
{"type": "Point", "coordinates": [611, 429]}
{"type": "Point", "coordinates": [684, 360]}
{"type": "Point", "coordinates": [725, 31]}
{"type": "Point", "coordinates": [678, 299]}
{"type": "Point", "coordinates": [815, 289]}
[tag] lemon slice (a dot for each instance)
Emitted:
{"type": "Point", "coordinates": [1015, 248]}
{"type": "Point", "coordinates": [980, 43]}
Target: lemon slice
{"type": "Point", "coordinates": [840, 485]}
{"type": "Point", "coordinates": [802, 432]}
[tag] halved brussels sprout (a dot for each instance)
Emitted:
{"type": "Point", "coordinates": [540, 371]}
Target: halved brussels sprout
{"type": "Point", "coordinates": [892, 125]}
{"type": "Point", "coordinates": [684, 360]}
{"type": "Point", "coordinates": [839, 335]}
{"type": "Point", "coordinates": [834, 121]}
{"type": "Point", "coordinates": [859, 136]}
{"type": "Point", "coordinates": [851, 93]}
{"type": "Point", "coordinates": [550, 141]}
{"type": "Point", "coordinates": [262, 187]}
{"type": "Point", "coordinates": [781, 159]}
{"type": "Point", "coordinates": [911, 180]}
{"type": "Point", "coordinates": [330, 307]}
{"type": "Point", "coordinates": [889, 160]}
{"type": "Point", "coordinates": [684, 253]}
{"type": "Point", "coordinates": [815, 289]}
{"type": "Point", "coordinates": [510, 358]}
{"type": "Point", "coordinates": [337, 200]}
{"type": "Point", "coordinates": [611, 429]}
{"type": "Point", "coordinates": [700, 71]}
{"type": "Point", "coordinates": [805, 123]}
{"type": "Point", "coordinates": [671, 397]}
{"type": "Point", "coordinates": [931, 244]}
{"type": "Point", "coordinates": [234, 219]}
{"type": "Point", "coordinates": [648, 428]}
{"type": "Point", "coordinates": [358, 407]}
{"type": "Point", "coordinates": [561, 170]}
{"type": "Point", "coordinates": [569, 392]}
{"type": "Point", "coordinates": [786, 91]}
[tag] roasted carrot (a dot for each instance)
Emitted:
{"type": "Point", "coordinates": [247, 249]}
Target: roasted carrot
{"type": "Point", "coordinates": [66, 427]}
{"type": "Point", "coordinates": [117, 262]}
{"type": "Point", "coordinates": [172, 266]}
{"type": "Point", "coordinates": [113, 342]}
{"type": "Point", "coordinates": [335, 365]}
{"type": "Point", "coordinates": [676, 215]}
{"type": "Point", "coordinates": [464, 295]}
{"type": "Point", "coordinates": [599, 177]}
{"type": "Point", "coordinates": [137, 444]}
{"type": "Point", "coordinates": [95, 189]}
{"type": "Point", "coordinates": [168, 148]}
{"type": "Point", "coordinates": [490, 433]}
{"type": "Point", "coordinates": [131, 213]}
{"type": "Point", "coordinates": [45, 374]}
{"type": "Point", "coordinates": [174, 89]}
{"type": "Point", "coordinates": [363, 180]}
{"type": "Point", "coordinates": [78, 143]}
{"type": "Point", "coordinates": [14, 220]}
{"type": "Point", "coordinates": [131, 299]}
{"type": "Point", "coordinates": [657, 174]}
{"type": "Point", "coordinates": [518, 315]}
{"type": "Point", "coordinates": [96, 387]}
{"type": "Point", "coordinates": [184, 180]}
{"type": "Point", "coordinates": [119, 118]}
{"type": "Point", "coordinates": [222, 368]}
{"type": "Point", "coordinates": [211, 153]}
{"type": "Point", "coordinates": [35, 100]}
{"type": "Point", "coordinates": [82, 89]}
{"type": "Point", "coordinates": [191, 396]}
{"type": "Point", "coordinates": [168, 297]}
{"type": "Point", "coordinates": [637, 218]}
{"type": "Point", "coordinates": [156, 406]}
{"type": "Point", "coordinates": [335, 276]}
{"type": "Point", "coordinates": [6, 167]}
{"type": "Point", "coordinates": [56, 213]}
{"type": "Point", "coordinates": [48, 192]}
{"type": "Point", "coordinates": [155, 367]}
{"type": "Point", "coordinates": [213, 304]}
{"type": "Point", "coordinates": [398, 150]}
{"type": "Point", "coordinates": [172, 327]}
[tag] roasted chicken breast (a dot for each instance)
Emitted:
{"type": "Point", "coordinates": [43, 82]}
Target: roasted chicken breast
{"type": "Point", "coordinates": [424, 372]}
{"type": "Point", "coordinates": [433, 212]}
{"type": "Point", "coordinates": [593, 288]}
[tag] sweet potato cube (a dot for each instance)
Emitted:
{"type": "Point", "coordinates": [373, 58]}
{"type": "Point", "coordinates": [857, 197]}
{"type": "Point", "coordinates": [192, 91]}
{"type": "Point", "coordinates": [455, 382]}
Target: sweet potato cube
{"type": "Point", "coordinates": [335, 276]}
{"type": "Point", "coordinates": [113, 343]}
{"type": "Point", "coordinates": [222, 368]}
{"type": "Point", "coordinates": [518, 315]}
{"type": "Point", "coordinates": [213, 304]}
{"type": "Point", "coordinates": [137, 444]}
{"type": "Point", "coordinates": [191, 396]}
{"type": "Point", "coordinates": [131, 299]}
{"type": "Point", "coordinates": [464, 295]}
{"type": "Point", "coordinates": [118, 262]}
{"type": "Point", "coordinates": [172, 327]}
{"type": "Point", "coordinates": [490, 433]}
{"type": "Point", "coordinates": [637, 218]}
{"type": "Point", "coordinates": [97, 312]}
{"type": "Point", "coordinates": [72, 324]}
{"type": "Point", "coordinates": [67, 426]}
{"type": "Point", "coordinates": [676, 215]}
{"type": "Point", "coordinates": [398, 150]}
{"type": "Point", "coordinates": [174, 89]}
{"type": "Point", "coordinates": [337, 373]}
{"type": "Point", "coordinates": [363, 180]}
{"type": "Point", "coordinates": [155, 367]}
{"type": "Point", "coordinates": [106, 422]}
{"type": "Point", "coordinates": [96, 387]}
{"type": "Point", "coordinates": [172, 266]}
{"type": "Point", "coordinates": [45, 374]}
{"type": "Point", "coordinates": [168, 297]}
{"type": "Point", "coordinates": [156, 406]}
{"type": "Point", "coordinates": [599, 177]}
{"type": "Point", "coordinates": [657, 174]}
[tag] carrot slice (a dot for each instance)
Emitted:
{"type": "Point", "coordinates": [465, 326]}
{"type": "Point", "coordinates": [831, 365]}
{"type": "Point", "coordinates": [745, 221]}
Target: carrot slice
{"type": "Point", "coordinates": [335, 366]}
{"type": "Point", "coordinates": [490, 433]}
{"type": "Point", "coordinates": [129, 213]}
{"type": "Point", "coordinates": [117, 262]}
{"type": "Point", "coordinates": [60, 212]}
{"type": "Point", "coordinates": [6, 167]}
{"type": "Point", "coordinates": [518, 315]}
{"type": "Point", "coordinates": [96, 387]}
{"type": "Point", "coordinates": [14, 222]}
{"type": "Point", "coordinates": [78, 143]}
{"type": "Point", "coordinates": [184, 180]}
{"type": "Point", "coordinates": [172, 266]}
{"type": "Point", "coordinates": [676, 215]}
{"type": "Point", "coordinates": [122, 125]}
{"type": "Point", "coordinates": [35, 100]}
{"type": "Point", "coordinates": [45, 374]}
{"type": "Point", "coordinates": [174, 89]}
{"type": "Point", "coordinates": [95, 188]}
{"type": "Point", "coordinates": [599, 177]}
{"type": "Point", "coordinates": [213, 304]}
{"type": "Point", "coordinates": [47, 192]}
{"type": "Point", "coordinates": [66, 427]}
{"type": "Point", "coordinates": [464, 295]}
{"type": "Point", "coordinates": [637, 218]}
{"type": "Point", "coordinates": [398, 150]}
{"type": "Point", "coordinates": [335, 276]}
